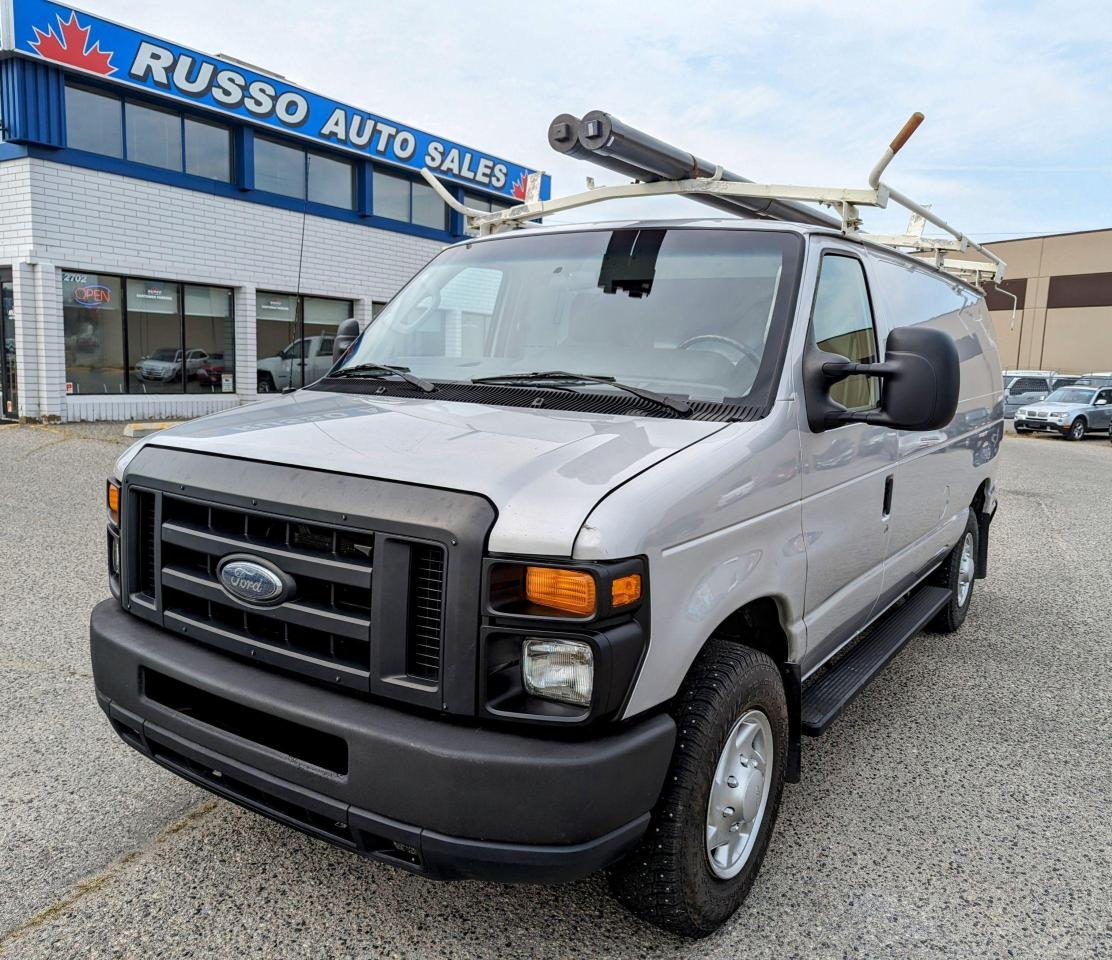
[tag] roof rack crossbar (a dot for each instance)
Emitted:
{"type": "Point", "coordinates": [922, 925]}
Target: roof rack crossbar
{"type": "Point", "coordinates": [845, 200]}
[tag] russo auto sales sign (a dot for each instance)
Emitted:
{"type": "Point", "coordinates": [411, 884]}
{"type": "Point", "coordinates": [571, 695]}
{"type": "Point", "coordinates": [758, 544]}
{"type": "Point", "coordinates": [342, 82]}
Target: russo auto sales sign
{"type": "Point", "coordinates": [80, 41]}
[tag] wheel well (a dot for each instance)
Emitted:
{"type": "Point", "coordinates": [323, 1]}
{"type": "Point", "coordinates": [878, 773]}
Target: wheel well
{"type": "Point", "coordinates": [757, 625]}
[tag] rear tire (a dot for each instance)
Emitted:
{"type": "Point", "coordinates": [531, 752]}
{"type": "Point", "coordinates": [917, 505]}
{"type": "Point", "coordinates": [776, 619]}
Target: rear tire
{"type": "Point", "coordinates": [1077, 429]}
{"type": "Point", "coordinates": [694, 868]}
{"type": "Point", "coordinates": [957, 574]}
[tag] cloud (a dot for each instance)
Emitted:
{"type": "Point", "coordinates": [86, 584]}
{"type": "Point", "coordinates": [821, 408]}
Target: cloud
{"type": "Point", "coordinates": [1016, 94]}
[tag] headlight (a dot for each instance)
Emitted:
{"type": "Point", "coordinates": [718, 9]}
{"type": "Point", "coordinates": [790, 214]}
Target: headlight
{"type": "Point", "coordinates": [562, 670]}
{"type": "Point", "coordinates": [1058, 416]}
{"type": "Point", "coordinates": [1021, 413]}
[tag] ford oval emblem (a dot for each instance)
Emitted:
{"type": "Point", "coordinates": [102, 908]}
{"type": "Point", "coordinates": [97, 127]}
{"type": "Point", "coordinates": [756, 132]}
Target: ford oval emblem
{"type": "Point", "coordinates": [254, 581]}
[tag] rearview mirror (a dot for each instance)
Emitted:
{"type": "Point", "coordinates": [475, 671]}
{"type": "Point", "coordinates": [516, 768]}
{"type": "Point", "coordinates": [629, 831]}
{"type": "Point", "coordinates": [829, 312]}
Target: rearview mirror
{"type": "Point", "coordinates": [920, 375]}
{"type": "Point", "coordinates": [346, 335]}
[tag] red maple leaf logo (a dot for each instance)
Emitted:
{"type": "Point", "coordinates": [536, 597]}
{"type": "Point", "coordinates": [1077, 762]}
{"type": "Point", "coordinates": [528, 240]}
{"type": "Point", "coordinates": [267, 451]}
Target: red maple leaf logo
{"type": "Point", "coordinates": [518, 188]}
{"type": "Point", "coordinates": [71, 47]}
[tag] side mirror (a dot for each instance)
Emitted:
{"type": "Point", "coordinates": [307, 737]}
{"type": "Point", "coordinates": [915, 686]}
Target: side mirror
{"type": "Point", "coordinates": [920, 374]}
{"type": "Point", "coordinates": [1101, 403]}
{"type": "Point", "coordinates": [346, 335]}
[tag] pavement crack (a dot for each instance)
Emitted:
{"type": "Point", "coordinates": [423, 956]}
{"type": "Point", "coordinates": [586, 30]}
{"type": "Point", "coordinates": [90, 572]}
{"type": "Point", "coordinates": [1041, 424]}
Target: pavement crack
{"type": "Point", "coordinates": [31, 666]}
{"type": "Point", "coordinates": [90, 885]}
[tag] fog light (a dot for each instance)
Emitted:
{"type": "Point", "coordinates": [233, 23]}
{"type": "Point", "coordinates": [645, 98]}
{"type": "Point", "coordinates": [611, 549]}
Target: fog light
{"type": "Point", "coordinates": [115, 554]}
{"type": "Point", "coordinates": [562, 670]}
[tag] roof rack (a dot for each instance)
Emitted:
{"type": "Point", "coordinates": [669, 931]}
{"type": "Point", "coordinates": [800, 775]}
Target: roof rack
{"type": "Point", "coordinates": [660, 169]}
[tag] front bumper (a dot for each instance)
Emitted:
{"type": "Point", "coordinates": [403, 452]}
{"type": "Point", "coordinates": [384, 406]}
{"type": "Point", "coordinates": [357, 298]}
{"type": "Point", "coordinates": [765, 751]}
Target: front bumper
{"type": "Point", "coordinates": [440, 798]}
{"type": "Point", "coordinates": [1045, 426]}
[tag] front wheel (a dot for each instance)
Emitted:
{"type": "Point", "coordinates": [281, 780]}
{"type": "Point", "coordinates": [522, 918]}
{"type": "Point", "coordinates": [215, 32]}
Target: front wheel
{"type": "Point", "coordinates": [1077, 429]}
{"type": "Point", "coordinates": [957, 573]}
{"type": "Point", "coordinates": [712, 824]}
{"type": "Point", "coordinates": [265, 383]}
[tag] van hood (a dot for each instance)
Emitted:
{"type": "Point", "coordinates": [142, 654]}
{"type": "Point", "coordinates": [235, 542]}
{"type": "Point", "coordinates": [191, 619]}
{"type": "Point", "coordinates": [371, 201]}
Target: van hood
{"type": "Point", "coordinates": [544, 471]}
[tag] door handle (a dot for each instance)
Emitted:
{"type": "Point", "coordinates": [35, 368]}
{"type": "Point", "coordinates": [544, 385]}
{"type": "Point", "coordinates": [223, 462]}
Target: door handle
{"type": "Point", "coordinates": [889, 485]}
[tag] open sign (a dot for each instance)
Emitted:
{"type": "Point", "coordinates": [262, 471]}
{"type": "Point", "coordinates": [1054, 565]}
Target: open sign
{"type": "Point", "coordinates": [92, 295]}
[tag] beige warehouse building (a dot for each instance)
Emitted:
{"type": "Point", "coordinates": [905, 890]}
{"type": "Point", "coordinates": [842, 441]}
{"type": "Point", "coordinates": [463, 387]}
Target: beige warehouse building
{"type": "Point", "coordinates": [1063, 317]}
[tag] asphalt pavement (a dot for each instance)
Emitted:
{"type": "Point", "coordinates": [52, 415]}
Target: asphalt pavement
{"type": "Point", "coordinates": [960, 808]}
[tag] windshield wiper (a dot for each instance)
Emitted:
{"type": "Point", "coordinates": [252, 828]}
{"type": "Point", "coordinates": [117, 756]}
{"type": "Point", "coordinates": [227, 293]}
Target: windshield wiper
{"type": "Point", "coordinates": [672, 403]}
{"type": "Point", "coordinates": [386, 370]}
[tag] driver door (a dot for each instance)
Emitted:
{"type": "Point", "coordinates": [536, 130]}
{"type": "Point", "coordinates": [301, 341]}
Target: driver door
{"type": "Point", "coordinates": [848, 472]}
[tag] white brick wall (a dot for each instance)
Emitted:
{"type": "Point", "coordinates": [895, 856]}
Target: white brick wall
{"type": "Point", "coordinates": [55, 216]}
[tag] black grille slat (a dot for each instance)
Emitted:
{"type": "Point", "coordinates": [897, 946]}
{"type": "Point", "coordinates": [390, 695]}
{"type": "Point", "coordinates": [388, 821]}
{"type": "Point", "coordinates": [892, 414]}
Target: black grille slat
{"type": "Point", "coordinates": [426, 612]}
{"type": "Point", "coordinates": [147, 572]}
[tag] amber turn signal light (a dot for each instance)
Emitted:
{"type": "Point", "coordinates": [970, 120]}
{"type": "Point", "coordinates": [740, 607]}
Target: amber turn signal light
{"type": "Point", "coordinates": [572, 591]}
{"type": "Point", "coordinates": [114, 502]}
{"type": "Point", "coordinates": [625, 590]}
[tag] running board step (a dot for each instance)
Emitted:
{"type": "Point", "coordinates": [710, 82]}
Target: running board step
{"type": "Point", "coordinates": [838, 687]}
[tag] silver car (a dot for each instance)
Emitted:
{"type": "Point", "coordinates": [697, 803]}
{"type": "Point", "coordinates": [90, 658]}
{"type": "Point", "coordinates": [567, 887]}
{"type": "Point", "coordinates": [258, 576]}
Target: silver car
{"type": "Point", "coordinates": [1070, 412]}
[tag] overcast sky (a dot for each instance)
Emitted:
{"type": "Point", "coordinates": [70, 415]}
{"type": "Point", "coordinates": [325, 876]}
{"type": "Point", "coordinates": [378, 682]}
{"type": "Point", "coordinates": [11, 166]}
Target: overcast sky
{"type": "Point", "coordinates": [1017, 96]}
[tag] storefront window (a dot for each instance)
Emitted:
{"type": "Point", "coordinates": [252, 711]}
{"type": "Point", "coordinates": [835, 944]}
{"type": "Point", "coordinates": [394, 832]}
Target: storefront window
{"type": "Point", "coordinates": [9, 361]}
{"type": "Point", "coordinates": [331, 182]}
{"type": "Point", "coordinates": [175, 338]}
{"type": "Point", "coordinates": [295, 338]}
{"type": "Point", "coordinates": [154, 349]}
{"type": "Point", "coordinates": [153, 136]}
{"type": "Point", "coordinates": [279, 169]}
{"type": "Point", "coordinates": [276, 341]}
{"type": "Point", "coordinates": [92, 312]}
{"type": "Point", "coordinates": [209, 331]}
{"type": "Point", "coordinates": [208, 150]}
{"type": "Point", "coordinates": [94, 122]}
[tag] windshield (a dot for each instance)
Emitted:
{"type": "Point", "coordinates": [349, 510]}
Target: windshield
{"type": "Point", "coordinates": [679, 311]}
{"type": "Point", "coordinates": [1071, 395]}
{"type": "Point", "coordinates": [166, 354]}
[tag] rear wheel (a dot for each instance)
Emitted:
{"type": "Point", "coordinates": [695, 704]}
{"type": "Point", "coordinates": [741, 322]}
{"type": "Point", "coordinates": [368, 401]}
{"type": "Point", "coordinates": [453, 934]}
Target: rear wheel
{"type": "Point", "coordinates": [712, 824]}
{"type": "Point", "coordinates": [1077, 429]}
{"type": "Point", "coordinates": [957, 574]}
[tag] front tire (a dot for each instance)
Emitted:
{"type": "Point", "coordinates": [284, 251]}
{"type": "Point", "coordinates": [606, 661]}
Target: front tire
{"type": "Point", "coordinates": [712, 824]}
{"type": "Point", "coordinates": [1077, 429]}
{"type": "Point", "coordinates": [957, 574]}
{"type": "Point", "coordinates": [265, 383]}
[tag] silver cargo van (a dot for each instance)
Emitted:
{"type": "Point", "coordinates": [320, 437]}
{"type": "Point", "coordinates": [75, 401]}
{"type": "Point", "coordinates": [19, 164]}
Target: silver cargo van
{"type": "Point", "coordinates": [553, 569]}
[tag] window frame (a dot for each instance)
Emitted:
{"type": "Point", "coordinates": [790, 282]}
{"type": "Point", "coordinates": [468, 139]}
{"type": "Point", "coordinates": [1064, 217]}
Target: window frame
{"type": "Point", "coordinates": [239, 183]}
{"type": "Point", "coordinates": [298, 323]}
{"type": "Point", "coordinates": [180, 350]}
{"type": "Point", "coordinates": [812, 342]}
{"type": "Point", "coordinates": [157, 105]}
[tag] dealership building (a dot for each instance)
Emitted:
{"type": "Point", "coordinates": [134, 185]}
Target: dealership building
{"type": "Point", "coordinates": [179, 231]}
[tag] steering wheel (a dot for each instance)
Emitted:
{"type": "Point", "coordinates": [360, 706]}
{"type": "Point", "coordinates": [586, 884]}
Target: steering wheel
{"type": "Point", "coordinates": [752, 356]}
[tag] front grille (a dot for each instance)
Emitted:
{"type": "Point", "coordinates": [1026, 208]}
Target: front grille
{"type": "Point", "coordinates": [426, 612]}
{"type": "Point", "coordinates": [324, 629]}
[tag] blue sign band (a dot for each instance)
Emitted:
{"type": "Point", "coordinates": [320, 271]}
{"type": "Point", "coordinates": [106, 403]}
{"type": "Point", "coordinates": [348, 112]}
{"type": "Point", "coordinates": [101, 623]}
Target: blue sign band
{"type": "Point", "coordinates": [80, 41]}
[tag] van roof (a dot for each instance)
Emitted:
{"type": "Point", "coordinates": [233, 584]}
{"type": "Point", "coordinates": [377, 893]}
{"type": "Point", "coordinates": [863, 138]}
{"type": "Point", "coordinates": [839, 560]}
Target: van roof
{"type": "Point", "coordinates": [722, 223]}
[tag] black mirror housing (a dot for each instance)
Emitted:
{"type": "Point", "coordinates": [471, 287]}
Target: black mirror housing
{"type": "Point", "coordinates": [921, 374]}
{"type": "Point", "coordinates": [346, 335]}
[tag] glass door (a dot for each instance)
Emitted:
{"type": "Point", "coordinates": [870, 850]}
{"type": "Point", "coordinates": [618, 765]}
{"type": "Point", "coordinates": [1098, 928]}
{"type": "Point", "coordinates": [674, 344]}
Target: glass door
{"type": "Point", "coordinates": [9, 368]}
